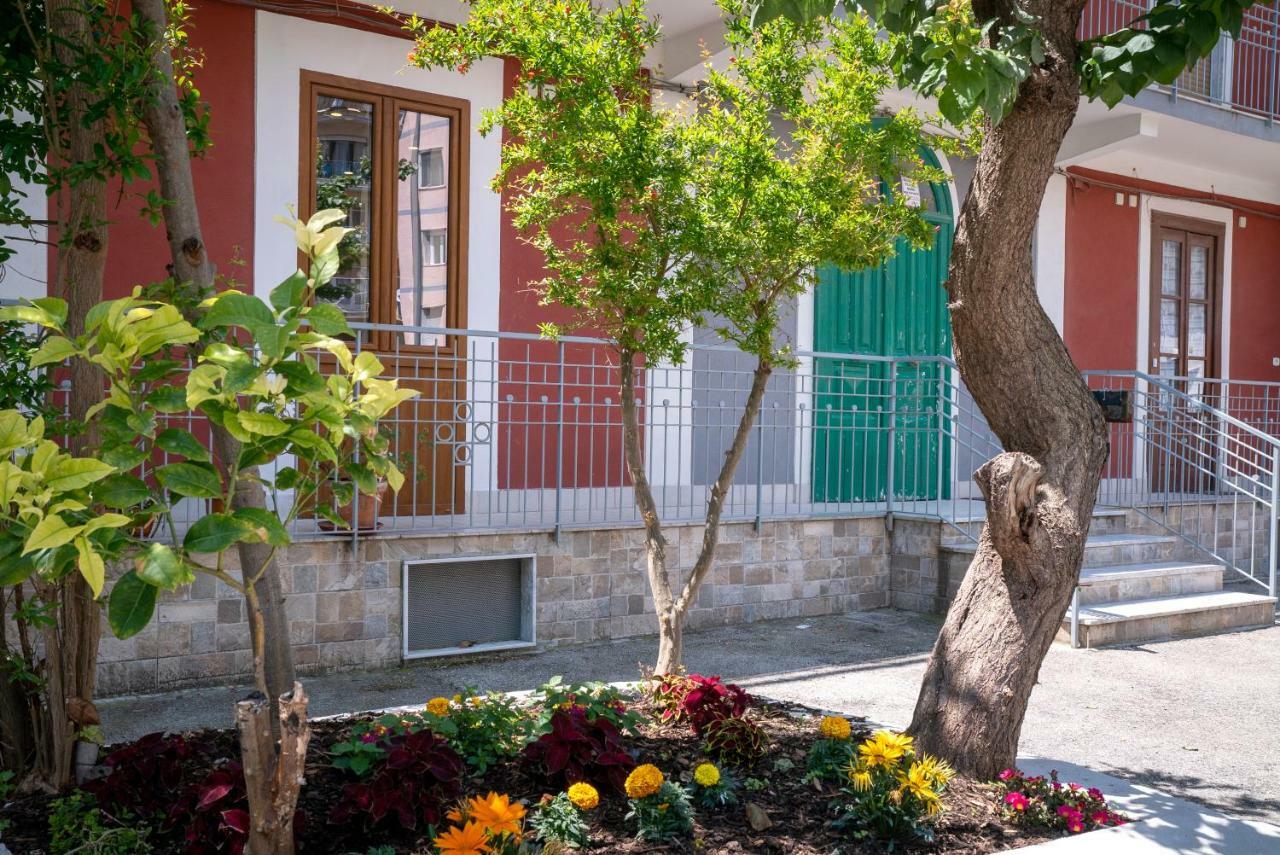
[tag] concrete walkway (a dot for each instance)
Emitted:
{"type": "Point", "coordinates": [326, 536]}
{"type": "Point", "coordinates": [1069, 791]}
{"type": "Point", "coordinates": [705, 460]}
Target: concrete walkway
{"type": "Point", "coordinates": [1196, 718]}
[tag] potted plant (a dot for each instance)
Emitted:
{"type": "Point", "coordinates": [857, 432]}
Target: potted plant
{"type": "Point", "coordinates": [337, 495]}
{"type": "Point", "coordinates": [89, 741]}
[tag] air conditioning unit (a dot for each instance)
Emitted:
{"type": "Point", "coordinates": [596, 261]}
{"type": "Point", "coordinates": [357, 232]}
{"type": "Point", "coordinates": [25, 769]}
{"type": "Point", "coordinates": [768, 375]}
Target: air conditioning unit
{"type": "Point", "coordinates": [468, 604]}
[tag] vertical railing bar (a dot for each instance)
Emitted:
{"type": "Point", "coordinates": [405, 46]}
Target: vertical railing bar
{"type": "Point", "coordinates": [555, 533]}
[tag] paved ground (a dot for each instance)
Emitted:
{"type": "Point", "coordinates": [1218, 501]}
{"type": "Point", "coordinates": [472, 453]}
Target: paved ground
{"type": "Point", "coordinates": [1199, 718]}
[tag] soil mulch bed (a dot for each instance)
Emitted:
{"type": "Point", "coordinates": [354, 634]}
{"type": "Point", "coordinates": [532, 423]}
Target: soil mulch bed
{"type": "Point", "coordinates": [971, 824]}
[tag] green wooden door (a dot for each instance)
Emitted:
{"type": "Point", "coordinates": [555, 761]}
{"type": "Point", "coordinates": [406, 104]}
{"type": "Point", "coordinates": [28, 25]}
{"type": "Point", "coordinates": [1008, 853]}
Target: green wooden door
{"type": "Point", "coordinates": [895, 310]}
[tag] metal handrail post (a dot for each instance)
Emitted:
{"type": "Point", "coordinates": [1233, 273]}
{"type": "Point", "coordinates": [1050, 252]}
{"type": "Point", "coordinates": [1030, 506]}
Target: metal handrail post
{"type": "Point", "coordinates": [355, 490]}
{"type": "Point", "coordinates": [893, 437]}
{"type": "Point", "coordinates": [1075, 618]}
{"type": "Point", "coordinates": [1275, 517]}
{"type": "Point", "coordinates": [1275, 61]}
{"type": "Point", "coordinates": [759, 462]}
{"type": "Point", "coordinates": [555, 531]}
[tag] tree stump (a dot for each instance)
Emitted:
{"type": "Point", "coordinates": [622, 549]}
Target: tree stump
{"type": "Point", "coordinates": [273, 773]}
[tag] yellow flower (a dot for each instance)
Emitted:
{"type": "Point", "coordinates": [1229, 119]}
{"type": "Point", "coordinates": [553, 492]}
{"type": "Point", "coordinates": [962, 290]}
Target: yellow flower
{"type": "Point", "coordinates": [917, 781]}
{"type": "Point", "coordinates": [457, 699]}
{"type": "Point", "coordinates": [644, 781]}
{"type": "Point", "coordinates": [497, 814]}
{"type": "Point", "coordinates": [939, 772]}
{"type": "Point", "coordinates": [884, 749]}
{"type": "Point", "coordinates": [707, 774]}
{"type": "Point", "coordinates": [584, 796]}
{"type": "Point", "coordinates": [834, 727]}
{"type": "Point", "coordinates": [471, 839]}
{"type": "Point", "coordinates": [438, 706]}
{"type": "Point", "coordinates": [860, 777]}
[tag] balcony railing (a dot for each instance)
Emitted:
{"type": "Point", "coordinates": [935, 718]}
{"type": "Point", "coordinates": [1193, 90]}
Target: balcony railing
{"type": "Point", "coordinates": [1241, 74]}
{"type": "Point", "coordinates": [513, 432]}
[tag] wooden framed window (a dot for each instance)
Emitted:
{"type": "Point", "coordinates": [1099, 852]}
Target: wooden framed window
{"type": "Point", "coordinates": [396, 161]}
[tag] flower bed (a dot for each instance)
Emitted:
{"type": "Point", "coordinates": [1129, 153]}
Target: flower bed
{"type": "Point", "coordinates": [581, 766]}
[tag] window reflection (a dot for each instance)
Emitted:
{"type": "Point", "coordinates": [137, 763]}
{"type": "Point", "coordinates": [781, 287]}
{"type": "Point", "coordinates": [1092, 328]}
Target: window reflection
{"type": "Point", "coordinates": [422, 220]}
{"type": "Point", "coordinates": [344, 171]}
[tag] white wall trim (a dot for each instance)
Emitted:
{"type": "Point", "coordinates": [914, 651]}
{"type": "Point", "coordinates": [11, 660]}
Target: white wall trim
{"type": "Point", "coordinates": [1200, 211]}
{"type": "Point", "coordinates": [1050, 262]}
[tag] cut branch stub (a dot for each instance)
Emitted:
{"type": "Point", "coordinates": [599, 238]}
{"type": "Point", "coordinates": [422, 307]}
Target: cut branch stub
{"type": "Point", "coordinates": [273, 777]}
{"type": "Point", "coordinates": [1009, 483]}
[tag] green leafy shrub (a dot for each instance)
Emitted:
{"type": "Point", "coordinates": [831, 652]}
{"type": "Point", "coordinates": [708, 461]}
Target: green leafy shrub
{"type": "Point", "coordinates": [667, 692]}
{"type": "Point", "coordinates": [559, 821]}
{"type": "Point", "coordinates": [892, 793]}
{"type": "Point", "coordinates": [740, 741]}
{"type": "Point", "coordinates": [830, 756]}
{"type": "Point", "coordinates": [713, 787]}
{"type": "Point", "coordinates": [597, 701]}
{"type": "Point", "coordinates": [483, 728]}
{"type": "Point", "coordinates": [660, 808]}
{"type": "Point", "coordinates": [78, 825]}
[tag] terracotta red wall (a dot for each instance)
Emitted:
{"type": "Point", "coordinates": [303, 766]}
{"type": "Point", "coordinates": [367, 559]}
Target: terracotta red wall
{"type": "Point", "coordinates": [137, 252]}
{"type": "Point", "coordinates": [1101, 312]}
{"type": "Point", "coordinates": [1100, 321]}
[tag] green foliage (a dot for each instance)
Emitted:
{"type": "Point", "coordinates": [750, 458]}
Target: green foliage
{"type": "Point", "coordinates": [484, 728]}
{"type": "Point", "coordinates": [940, 50]}
{"type": "Point", "coordinates": [892, 792]}
{"type": "Point", "coordinates": [22, 387]}
{"type": "Point", "coordinates": [269, 392]}
{"type": "Point", "coordinates": [665, 816]}
{"type": "Point", "coordinates": [598, 700]}
{"type": "Point", "coordinates": [829, 759]}
{"type": "Point", "coordinates": [77, 825]}
{"type": "Point", "coordinates": [40, 65]}
{"type": "Point", "coordinates": [713, 787]}
{"type": "Point", "coordinates": [557, 820]}
{"type": "Point", "coordinates": [656, 211]}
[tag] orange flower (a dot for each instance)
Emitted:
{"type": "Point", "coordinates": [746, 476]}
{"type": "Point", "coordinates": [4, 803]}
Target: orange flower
{"type": "Point", "coordinates": [471, 839]}
{"type": "Point", "coordinates": [497, 814]}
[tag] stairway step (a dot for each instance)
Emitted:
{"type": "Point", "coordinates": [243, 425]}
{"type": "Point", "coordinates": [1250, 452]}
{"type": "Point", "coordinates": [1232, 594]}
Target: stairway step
{"type": "Point", "coordinates": [1104, 550]}
{"type": "Point", "coordinates": [1122, 582]}
{"type": "Point", "coordinates": [1180, 616]}
{"type": "Point", "coordinates": [1104, 521]}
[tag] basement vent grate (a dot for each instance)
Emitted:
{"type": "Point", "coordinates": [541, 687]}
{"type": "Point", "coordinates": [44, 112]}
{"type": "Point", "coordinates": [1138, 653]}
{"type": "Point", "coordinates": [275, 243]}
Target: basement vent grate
{"type": "Point", "coordinates": [468, 605]}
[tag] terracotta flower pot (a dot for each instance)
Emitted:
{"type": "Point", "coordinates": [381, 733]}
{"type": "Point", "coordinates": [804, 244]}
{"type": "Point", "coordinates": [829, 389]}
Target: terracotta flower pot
{"type": "Point", "coordinates": [364, 514]}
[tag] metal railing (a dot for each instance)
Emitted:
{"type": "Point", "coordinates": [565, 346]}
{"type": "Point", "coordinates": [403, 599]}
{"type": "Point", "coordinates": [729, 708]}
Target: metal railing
{"type": "Point", "coordinates": [514, 432]}
{"type": "Point", "coordinates": [1241, 74]}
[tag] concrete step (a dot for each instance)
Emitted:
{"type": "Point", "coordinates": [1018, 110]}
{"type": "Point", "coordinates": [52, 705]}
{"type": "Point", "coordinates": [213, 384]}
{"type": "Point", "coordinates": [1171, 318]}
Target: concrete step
{"type": "Point", "coordinates": [1135, 621]}
{"type": "Point", "coordinates": [1143, 581]}
{"type": "Point", "coordinates": [1103, 550]}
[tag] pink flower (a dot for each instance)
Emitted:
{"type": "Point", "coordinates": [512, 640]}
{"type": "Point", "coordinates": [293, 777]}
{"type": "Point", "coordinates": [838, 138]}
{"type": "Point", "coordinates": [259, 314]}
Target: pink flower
{"type": "Point", "coordinates": [1099, 817]}
{"type": "Point", "coordinates": [1066, 810]}
{"type": "Point", "coordinates": [1095, 793]}
{"type": "Point", "coordinates": [368, 738]}
{"type": "Point", "coordinates": [1016, 801]}
{"type": "Point", "coordinates": [1075, 826]}
{"type": "Point", "coordinates": [1008, 773]}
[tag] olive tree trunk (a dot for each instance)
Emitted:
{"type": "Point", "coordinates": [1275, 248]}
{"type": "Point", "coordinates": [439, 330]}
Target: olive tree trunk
{"type": "Point", "coordinates": [672, 608]}
{"type": "Point", "coordinates": [1040, 493]}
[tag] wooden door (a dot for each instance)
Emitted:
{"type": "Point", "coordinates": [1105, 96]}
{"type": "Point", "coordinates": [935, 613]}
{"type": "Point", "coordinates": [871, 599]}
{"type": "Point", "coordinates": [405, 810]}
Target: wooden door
{"type": "Point", "coordinates": [1186, 275]}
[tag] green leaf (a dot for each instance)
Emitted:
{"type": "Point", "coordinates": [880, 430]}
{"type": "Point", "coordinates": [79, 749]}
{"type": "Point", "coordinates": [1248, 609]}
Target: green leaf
{"type": "Point", "coordinates": [264, 524]}
{"type": "Point", "coordinates": [234, 309]}
{"type": "Point", "coordinates": [92, 567]}
{"type": "Point", "coordinates": [131, 606]}
{"type": "Point", "coordinates": [214, 533]}
{"type": "Point", "coordinates": [168, 399]}
{"type": "Point", "coordinates": [288, 294]}
{"type": "Point", "coordinates": [198, 481]}
{"type": "Point", "coordinates": [327, 319]}
{"type": "Point", "coordinates": [121, 491]}
{"type": "Point", "coordinates": [123, 455]}
{"type": "Point", "coordinates": [303, 379]}
{"type": "Point", "coordinates": [264, 424]}
{"type": "Point", "coordinates": [178, 441]}
{"type": "Point", "coordinates": [55, 350]}
{"type": "Point", "coordinates": [287, 478]}
{"type": "Point", "coordinates": [13, 431]}
{"type": "Point", "coordinates": [102, 521]}
{"type": "Point", "coordinates": [160, 566]}
{"type": "Point", "coordinates": [14, 567]}
{"type": "Point", "coordinates": [72, 473]}
{"type": "Point", "coordinates": [799, 11]}
{"type": "Point", "coordinates": [50, 533]}
{"type": "Point", "coordinates": [49, 312]}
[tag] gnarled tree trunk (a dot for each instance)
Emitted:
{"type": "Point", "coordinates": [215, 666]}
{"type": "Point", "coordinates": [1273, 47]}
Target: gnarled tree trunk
{"type": "Point", "coordinates": [1040, 493]}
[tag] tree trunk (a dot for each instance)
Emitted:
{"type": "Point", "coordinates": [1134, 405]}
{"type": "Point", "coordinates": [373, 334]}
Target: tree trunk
{"type": "Point", "coordinates": [1040, 493]}
{"type": "Point", "coordinates": [167, 129]}
{"type": "Point", "coordinates": [71, 644]}
{"type": "Point", "coordinates": [671, 609]}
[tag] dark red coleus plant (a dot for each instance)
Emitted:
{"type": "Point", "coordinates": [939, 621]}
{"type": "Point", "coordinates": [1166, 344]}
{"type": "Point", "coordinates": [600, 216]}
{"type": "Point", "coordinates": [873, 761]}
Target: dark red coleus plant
{"type": "Point", "coordinates": [145, 775]}
{"type": "Point", "coordinates": [580, 749]}
{"type": "Point", "coordinates": [708, 700]}
{"type": "Point", "coordinates": [419, 777]}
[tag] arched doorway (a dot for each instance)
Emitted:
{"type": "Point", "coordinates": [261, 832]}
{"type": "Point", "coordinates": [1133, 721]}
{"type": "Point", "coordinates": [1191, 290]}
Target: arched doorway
{"type": "Point", "coordinates": [898, 309]}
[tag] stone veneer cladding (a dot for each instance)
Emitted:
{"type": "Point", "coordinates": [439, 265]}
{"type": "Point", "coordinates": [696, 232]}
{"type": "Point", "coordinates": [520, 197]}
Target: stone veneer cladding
{"type": "Point", "coordinates": [344, 607]}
